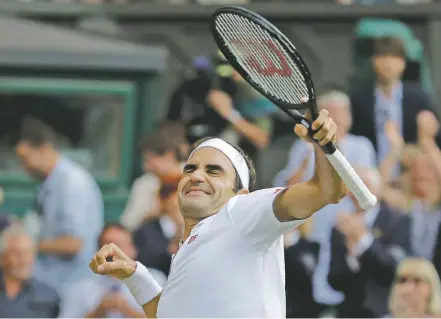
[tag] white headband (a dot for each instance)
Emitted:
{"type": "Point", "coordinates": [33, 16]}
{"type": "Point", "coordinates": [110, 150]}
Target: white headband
{"type": "Point", "coordinates": [236, 159]}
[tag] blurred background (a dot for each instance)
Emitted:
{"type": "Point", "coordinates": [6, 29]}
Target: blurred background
{"type": "Point", "coordinates": [100, 101]}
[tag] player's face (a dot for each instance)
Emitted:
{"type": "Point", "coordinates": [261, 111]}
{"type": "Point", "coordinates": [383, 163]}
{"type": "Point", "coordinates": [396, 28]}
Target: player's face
{"type": "Point", "coordinates": [207, 183]}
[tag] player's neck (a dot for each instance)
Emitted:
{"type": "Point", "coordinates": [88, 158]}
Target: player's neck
{"type": "Point", "coordinates": [189, 224]}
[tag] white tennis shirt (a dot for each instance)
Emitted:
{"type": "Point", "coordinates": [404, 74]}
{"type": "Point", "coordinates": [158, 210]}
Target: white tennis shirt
{"type": "Point", "coordinates": [232, 264]}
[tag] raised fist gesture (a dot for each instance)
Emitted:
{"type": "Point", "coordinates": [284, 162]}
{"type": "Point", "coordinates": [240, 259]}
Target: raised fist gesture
{"type": "Point", "coordinates": [112, 261]}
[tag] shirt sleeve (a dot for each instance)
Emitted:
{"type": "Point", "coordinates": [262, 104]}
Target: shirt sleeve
{"type": "Point", "coordinates": [367, 155]}
{"type": "Point", "coordinates": [80, 209]}
{"type": "Point", "coordinates": [253, 217]}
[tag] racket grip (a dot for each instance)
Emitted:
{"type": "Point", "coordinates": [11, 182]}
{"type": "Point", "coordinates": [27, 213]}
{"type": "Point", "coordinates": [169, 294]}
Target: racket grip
{"type": "Point", "coordinates": [347, 173]}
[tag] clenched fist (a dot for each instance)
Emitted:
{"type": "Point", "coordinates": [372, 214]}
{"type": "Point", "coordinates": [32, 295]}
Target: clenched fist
{"type": "Point", "coordinates": [112, 261]}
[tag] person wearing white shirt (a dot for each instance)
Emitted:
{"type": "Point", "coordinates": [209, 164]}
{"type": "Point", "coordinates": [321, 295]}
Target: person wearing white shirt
{"type": "Point", "coordinates": [231, 261]}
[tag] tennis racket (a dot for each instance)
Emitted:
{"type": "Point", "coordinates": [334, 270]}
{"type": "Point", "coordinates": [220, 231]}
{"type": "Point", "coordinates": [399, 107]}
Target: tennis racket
{"type": "Point", "coordinates": [270, 63]}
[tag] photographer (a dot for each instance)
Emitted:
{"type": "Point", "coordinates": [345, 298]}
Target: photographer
{"type": "Point", "coordinates": [223, 104]}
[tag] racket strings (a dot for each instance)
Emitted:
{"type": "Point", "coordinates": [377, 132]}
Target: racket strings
{"type": "Point", "coordinates": [244, 50]}
{"type": "Point", "coordinates": [249, 43]}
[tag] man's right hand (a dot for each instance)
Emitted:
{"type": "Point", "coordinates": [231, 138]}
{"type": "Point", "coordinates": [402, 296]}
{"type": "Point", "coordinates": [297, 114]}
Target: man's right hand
{"type": "Point", "coordinates": [112, 261]}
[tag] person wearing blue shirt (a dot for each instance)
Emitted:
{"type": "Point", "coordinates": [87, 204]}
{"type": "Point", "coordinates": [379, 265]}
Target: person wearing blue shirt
{"type": "Point", "coordinates": [70, 205]}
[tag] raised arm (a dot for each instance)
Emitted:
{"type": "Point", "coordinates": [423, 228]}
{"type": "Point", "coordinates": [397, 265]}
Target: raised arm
{"type": "Point", "coordinates": [302, 200]}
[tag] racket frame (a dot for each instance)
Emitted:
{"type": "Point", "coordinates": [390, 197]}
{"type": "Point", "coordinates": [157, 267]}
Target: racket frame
{"type": "Point", "coordinates": [290, 109]}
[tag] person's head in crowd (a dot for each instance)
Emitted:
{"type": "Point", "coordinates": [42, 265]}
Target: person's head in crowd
{"type": "Point", "coordinates": [210, 178]}
{"type": "Point", "coordinates": [161, 154]}
{"type": "Point", "coordinates": [424, 182]}
{"type": "Point", "coordinates": [416, 290]}
{"type": "Point", "coordinates": [338, 105]}
{"type": "Point", "coordinates": [17, 253]}
{"type": "Point", "coordinates": [117, 234]}
{"type": "Point", "coordinates": [169, 200]}
{"type": "Point", "coordinates": [389, 58]}
{"type": "Point", "coordinates": [36, 148]}
{"type": "Point", "coordinates": [176, 131]}
{"type": "Point", "coordinates": [371, 177]}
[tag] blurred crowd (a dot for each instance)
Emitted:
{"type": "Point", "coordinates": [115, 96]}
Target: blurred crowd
{"type": "Point", "coordinates": [343, 262]}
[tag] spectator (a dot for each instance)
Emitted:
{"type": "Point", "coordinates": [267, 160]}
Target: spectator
{"type": "Point", "coordinates": [420, 194]}
{"type": "Point", "coordinates": [300, 167]}
{"type": "Point", "coordinates": [357, 149]}
{"type": "Point", "coordinates": [70, 205]}
{"type": "Point", "coordinates": [301, 258]}
{"type": "Point", "coordinates": [416, 291]}
{"type": "Point", "coordinates": [105, 296]}
{"type": "Point", "coordinates": [157, 239]}
{"type": "Point", "coordinates": [246, 111]}
{"type": "Point", "coordinates": [388, 99]}
{"type": "Point", "coordinates": [21, 295]}
{"type": "Point", "coordinates": [163, 152]}
{"type": "Point", "coordinates": [366, 249]}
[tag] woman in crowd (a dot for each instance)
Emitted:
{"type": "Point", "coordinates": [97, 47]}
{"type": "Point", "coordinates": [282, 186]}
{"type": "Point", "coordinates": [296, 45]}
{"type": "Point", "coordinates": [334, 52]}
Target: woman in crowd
{"type": "Point", "coordinates": [416, 291]}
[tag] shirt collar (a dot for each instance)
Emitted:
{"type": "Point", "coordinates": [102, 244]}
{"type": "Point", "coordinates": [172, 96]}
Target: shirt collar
{"type": "Point", "coordinates": [397, 92]}
{"type": "Point", "coordinates": [25, 285]}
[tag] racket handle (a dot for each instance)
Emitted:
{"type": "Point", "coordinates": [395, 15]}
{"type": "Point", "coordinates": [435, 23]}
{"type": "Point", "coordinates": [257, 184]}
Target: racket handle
{"type": "Point", "coordinates": [347, 173]}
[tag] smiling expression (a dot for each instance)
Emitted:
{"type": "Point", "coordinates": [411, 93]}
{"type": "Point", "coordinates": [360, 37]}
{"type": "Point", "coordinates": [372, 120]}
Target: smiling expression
{"type": "Point", "coordinates": [207, 183]}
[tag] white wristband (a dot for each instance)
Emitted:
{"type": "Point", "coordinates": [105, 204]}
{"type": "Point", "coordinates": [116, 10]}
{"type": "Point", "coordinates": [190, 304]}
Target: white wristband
{"type": "Point", "coordinates": [142, 285]}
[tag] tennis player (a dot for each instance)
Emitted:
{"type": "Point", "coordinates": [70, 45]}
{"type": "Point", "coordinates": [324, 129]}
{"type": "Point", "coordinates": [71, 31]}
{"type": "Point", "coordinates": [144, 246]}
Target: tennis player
{"type": "Point", "coordinates": [231, 262]}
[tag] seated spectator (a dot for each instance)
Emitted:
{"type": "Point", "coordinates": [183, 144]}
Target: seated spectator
{"type": "Point", "coordinates": [357, 149]}
{"type": "Point", "coordinates": [388, 99]}
{"type": "Point", "coordinates": [105, 296]}
{"type": "Point", "coordinates": [21, 295]}
{"type": "Point", "coordinates": [301, 258]}
{"type": "Point", "coordinates": [300, 167]}
{"type": "Point", "coordinates": [163, 152]}
{"type": "Point", "coordinates": [367, 246]}
{"type": "Point", "coordinates": [158, 239]}
{"type": "Point", "coordinates": [416, 290]}
{"type": "Point", "coordinates": [420, 196]}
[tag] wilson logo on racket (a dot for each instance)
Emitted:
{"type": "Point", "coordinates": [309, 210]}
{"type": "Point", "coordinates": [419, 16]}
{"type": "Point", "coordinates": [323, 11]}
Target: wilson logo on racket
{"type": "Point", "coordinates": [259, 55]}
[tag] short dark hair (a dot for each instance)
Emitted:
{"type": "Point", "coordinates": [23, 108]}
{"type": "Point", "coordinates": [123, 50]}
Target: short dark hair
{"type": "Point", "coordinates": [251, 170]}
{"type": "Point", "coordinates": [391, 46]}
{"type": "Point", "coordinates": [170, 136]}
{"type": "Point", "coordinates": [36, 132]}
{"type": "Point", "coordinates": [109, 226]}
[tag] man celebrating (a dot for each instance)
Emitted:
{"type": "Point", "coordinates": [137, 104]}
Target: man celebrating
{"type": "Point", "coordinates": [231, 261]}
